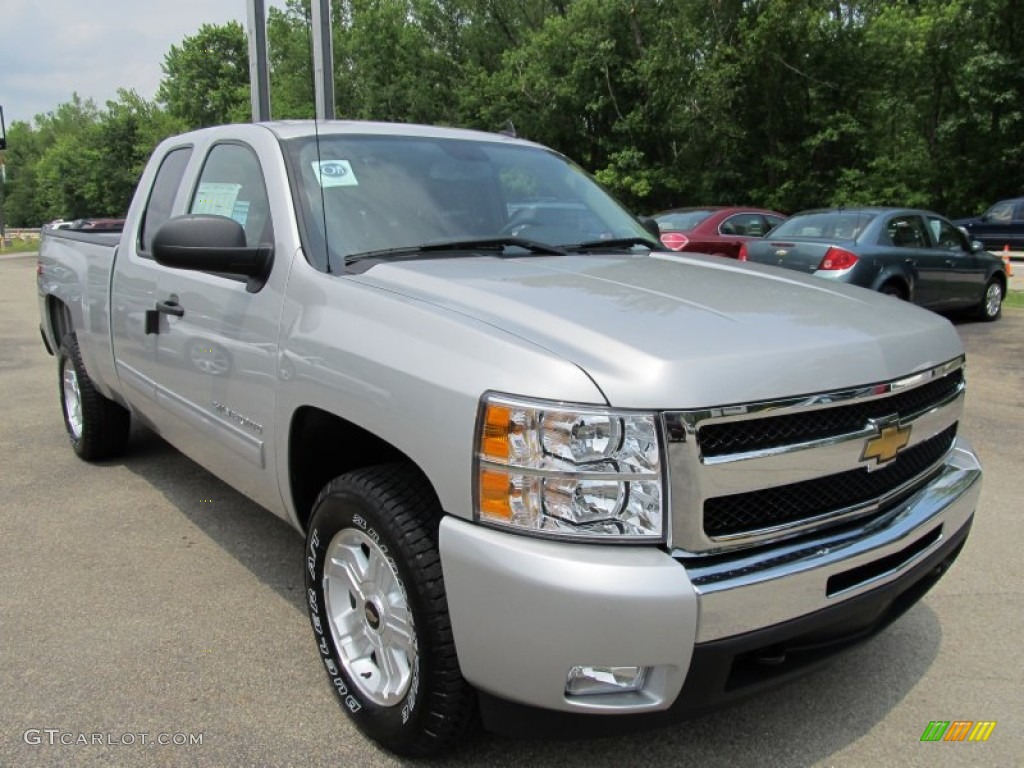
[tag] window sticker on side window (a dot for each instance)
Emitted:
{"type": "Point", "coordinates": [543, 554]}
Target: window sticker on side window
{"type": "Point", "coordinates": [334, 173]}
{"type": "Point", "coordinates": [216, 198]}
{"type": "Point", "coordinates": [240, 211]}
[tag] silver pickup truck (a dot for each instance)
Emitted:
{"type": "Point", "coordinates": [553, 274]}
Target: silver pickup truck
{"type": "Point", "coordinates": [547, 473]}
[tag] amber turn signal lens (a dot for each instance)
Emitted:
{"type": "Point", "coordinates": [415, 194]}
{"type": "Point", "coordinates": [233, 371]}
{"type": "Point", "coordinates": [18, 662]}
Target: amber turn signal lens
{"type": "Point", "coordinates": [497, 425]}
{"type": "Point", "coordinates": [495, 495]}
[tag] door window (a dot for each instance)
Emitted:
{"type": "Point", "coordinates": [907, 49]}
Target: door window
{"type": "Point", "coordinates": [945, 235]}
{"type": "Point", "coordinates": [1000, 213]}
{"type": "Point", "coordinates": [907, 232]}
{"type": "Point", "coordinates": [161, 198]}
{"type": "Point", "coordinates": [231, 184]}
{"type": "Point", "coordinates": [749, 224]}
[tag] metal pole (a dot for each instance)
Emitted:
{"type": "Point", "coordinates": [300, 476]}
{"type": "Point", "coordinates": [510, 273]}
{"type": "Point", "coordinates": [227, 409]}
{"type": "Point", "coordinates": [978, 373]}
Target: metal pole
{"type": "Point", "coordinates": [259, 76]}
{"type": "Point", "coordinates": [3, 179]}
{"type": "Point", "coordinates": [323, 59]}
{"type": "Point", "coordinates": [3, 183]}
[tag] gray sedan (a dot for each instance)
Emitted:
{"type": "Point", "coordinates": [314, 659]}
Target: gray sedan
{"type": "Point", "coordinates": [915, 255]}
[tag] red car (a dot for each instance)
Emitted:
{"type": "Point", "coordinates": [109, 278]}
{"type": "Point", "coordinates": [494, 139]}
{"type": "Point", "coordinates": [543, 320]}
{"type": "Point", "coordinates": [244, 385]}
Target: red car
{"type": "Point", "coordinates": [714, 229]}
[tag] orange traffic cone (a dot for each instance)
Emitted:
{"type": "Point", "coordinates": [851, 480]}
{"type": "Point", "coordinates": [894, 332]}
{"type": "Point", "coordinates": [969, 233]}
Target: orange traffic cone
{"type": "Point", "coordinates": [1006, 260]}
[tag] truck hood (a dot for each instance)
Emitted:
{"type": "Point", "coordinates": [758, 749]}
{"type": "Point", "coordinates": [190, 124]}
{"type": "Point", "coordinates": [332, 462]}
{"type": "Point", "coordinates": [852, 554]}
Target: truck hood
{"type": "Point", "coordinates": [671, 331]}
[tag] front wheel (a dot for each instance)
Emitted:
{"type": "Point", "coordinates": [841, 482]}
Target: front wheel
{"type": "Point", "coordinates": [97, 427]}
{"type": "Point", "coordinates": [991, 306]}
{"type": "Point", "coordinates": [379, 611]}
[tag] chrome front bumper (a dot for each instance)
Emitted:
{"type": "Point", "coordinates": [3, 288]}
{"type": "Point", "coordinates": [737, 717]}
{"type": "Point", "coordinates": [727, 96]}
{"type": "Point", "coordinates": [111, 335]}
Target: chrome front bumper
{"type": "Point", "coordinates": [525, 611]}
{"type": "Point", "coordinates": [746, 592]}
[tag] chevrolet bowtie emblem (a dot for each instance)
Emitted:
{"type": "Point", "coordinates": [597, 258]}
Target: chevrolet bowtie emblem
{"type": "Point", "coordinates": [892, 438]}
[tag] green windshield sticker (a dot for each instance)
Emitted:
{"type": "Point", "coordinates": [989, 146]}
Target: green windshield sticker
{"type": "Point", "coordinates": [334, 173]}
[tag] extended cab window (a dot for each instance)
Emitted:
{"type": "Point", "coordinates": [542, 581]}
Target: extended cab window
{"type": "Point", "coordinates": [232, 185]}
{"type": "Point", "coordinates": [161, 198]}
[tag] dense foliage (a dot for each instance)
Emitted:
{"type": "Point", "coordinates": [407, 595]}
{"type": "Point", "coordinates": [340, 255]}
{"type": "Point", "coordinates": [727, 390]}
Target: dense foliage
{"type": "Point", "coordinates": [783, 103]}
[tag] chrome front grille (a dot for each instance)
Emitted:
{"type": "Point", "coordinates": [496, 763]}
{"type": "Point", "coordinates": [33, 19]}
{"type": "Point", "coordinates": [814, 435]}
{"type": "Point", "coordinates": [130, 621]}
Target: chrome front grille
{"type": "Point", "coordinates": [752, 474]}
{"type": "Point", "coordinates": [744, 513]}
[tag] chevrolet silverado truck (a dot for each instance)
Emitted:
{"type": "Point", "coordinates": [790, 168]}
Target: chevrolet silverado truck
{"type": "Point", "coordinates": [549, 476]}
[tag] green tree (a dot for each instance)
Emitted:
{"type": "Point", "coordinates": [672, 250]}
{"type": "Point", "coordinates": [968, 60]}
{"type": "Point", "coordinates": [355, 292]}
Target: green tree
{"type": "Point", "coordinates": [290, 61]}
{"type": "Point", "coordinates": [206, 78]}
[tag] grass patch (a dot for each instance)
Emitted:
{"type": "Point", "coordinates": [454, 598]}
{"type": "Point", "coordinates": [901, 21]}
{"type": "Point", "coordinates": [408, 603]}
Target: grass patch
{"type": "Point", "coordinates": [1014, 299]}
{"type": "Point", "coordinates": [20, 246]}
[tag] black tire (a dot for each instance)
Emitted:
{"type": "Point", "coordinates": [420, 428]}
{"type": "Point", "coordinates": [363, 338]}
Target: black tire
{"type": "Point", "coordinates": [991, 306]}
{"type": "Point", "coordinates": [894, 290]}
{"type": "Point", "coordinates": [378, 526]}
{"type": "Point", "coordinates": [97, 427]}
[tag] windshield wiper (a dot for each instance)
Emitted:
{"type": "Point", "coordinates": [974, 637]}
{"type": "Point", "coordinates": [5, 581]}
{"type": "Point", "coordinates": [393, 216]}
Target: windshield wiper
{"type": "Point", "coordinates": [498, 244]}
{"type": "Point", "coordinates": [611, 245]}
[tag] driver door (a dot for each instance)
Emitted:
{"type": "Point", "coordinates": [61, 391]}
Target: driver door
{"type": "Point", "coordinates": [196, 351]}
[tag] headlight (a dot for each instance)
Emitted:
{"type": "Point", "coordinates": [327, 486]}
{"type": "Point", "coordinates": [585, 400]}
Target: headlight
{"type": "Point", "coordinates": [569, 471]}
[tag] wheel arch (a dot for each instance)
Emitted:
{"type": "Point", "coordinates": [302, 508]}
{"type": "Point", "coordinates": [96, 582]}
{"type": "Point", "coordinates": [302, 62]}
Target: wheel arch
{"type": "Point", "coordinates": [322, 446]}
{"type": "Point", "coordinates": [892, 279]}
{"type": "Point", "coordinates": [58, 318]}
{"type": "Point", "coordinates": [1000, 276]}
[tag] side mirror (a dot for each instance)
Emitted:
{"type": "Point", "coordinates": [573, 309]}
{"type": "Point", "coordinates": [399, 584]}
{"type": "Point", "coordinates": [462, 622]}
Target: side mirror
{"type": "Point", "coordinates": [977, 246]}
{"type": "Point", "coordinates": [651, 226]}
{"type": "Point", "coordinates": [206, 243]}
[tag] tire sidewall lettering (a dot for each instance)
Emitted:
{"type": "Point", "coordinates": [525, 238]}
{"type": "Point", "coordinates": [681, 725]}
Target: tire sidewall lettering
{"type": "Point", "coordinates": [368, 715]}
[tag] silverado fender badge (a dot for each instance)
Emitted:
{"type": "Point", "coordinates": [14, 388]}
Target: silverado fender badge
{"type": "Point", "coordinates": [890, 438]}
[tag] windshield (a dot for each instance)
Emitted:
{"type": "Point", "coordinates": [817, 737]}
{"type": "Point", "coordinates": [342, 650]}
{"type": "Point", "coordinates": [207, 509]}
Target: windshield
{"type": "Point", "coordinates": [372, 194]}
{"type": "Point", "coordinates": [842, 225]}
{"type": "Point", "coordinates": [681, 219]}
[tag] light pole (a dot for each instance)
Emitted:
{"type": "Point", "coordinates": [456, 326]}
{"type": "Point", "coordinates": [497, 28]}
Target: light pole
{"type": "Point", "coordinates": [3, 178]}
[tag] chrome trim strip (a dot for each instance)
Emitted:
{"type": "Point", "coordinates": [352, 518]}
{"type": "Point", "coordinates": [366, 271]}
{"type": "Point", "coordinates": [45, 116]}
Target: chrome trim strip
{"type": "Point", "coordinates": [768, 586]}
{"type": "Point", "coordinates": [581, 474]}
{"type": "Point", "coordinates": [860, 434]}
{"type": "Point", "coordinates": [680, 422]}
{"type": "Point", "coordinates": [811, 524]}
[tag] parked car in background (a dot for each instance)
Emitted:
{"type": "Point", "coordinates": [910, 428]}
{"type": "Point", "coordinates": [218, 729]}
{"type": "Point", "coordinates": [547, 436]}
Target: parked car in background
{"type": "Point", "coordinates": [97, 225]}
{"type": "Point", "coordinates": [915, 255]}
{"type": "Point", "coordinates": [714, 229]}
{"type": "Point", "coordinates": [1000, 226]}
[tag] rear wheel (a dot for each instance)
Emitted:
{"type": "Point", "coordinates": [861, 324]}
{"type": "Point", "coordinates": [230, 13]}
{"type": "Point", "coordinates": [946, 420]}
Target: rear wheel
{"type": "Point", "coordinates": [379, 610]}
{"type": "Point", "coordinates": [991, 306]}
{"type": "Point", "coordinates": [894, 290]}
{"type": "Point", "coordinates": [97, 427]}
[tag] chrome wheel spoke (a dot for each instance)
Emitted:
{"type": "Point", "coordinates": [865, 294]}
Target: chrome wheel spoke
{"type": "Point", "coordinates": [399, 625]}
{"type": "Point", "coordinates": [369, 617]}
{"type": "Point", "coordinates": [72, 401]}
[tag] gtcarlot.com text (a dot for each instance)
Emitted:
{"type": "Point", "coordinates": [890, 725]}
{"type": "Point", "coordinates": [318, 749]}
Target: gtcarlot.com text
{"type": "Point", "coordinates": [56, 737]}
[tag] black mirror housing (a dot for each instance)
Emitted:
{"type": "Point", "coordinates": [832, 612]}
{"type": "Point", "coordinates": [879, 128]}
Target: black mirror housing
{"type": "Point", "coordinates": [211, 244]}
{"type": "Point", "coordinates": [651, 225]}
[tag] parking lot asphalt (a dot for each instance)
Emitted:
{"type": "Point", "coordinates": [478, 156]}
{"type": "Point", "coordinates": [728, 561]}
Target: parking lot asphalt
{"type": "Point", "coordinates": [142, 600]}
